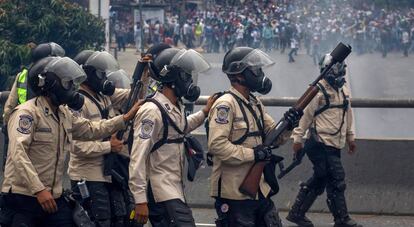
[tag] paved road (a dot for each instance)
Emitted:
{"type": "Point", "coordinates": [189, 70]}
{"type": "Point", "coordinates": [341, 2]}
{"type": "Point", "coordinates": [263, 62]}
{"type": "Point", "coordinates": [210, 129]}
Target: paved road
{"type": "Point", "coordinates": [370, 76]}
{"type": "Point", "coordinates": [204, 217]}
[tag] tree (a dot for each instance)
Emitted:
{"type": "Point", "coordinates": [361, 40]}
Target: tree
{"type": "Point", "coordinates": [23, 22]}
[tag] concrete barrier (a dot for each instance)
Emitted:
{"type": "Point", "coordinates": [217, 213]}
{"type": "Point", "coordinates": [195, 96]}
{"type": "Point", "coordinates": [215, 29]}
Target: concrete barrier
{"type": "Point", "coordinates": [380, 179]}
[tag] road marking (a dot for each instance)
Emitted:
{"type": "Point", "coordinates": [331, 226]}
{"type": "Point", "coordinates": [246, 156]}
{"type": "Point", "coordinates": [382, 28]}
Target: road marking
{"type": "Point", "coordinates": [202, 224]}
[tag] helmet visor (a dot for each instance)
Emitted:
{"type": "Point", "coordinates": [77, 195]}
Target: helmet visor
{"type": "Point", "coordinates": [103, 61]}
{"type": "Point", "coordinates": [255, 59]}
{"type": "Point", "coordinates": [67, 70]}
{"type": "Point", "coordinates": [190, 62]}
{"type": "Point", "coordinates": [120, 79]}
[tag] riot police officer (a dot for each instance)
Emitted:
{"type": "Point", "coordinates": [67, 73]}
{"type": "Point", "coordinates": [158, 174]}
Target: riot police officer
{"type": "Point", "coordinates": [328, 126]}
{"type": "Point", "coordinates": [238, 124]}
{"type": "Point", "coordinates": [158, 150]}
{"type": "Point", "coordinates": [107, 202]}
{"type": "Point", "coordinates": [41, 133]}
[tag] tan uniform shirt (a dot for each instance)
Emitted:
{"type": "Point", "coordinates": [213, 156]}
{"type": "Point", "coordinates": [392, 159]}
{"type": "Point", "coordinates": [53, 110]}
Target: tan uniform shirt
{"type": "Point", "coordinates": [231, 161]}
{"type": "Point", "coordinates": [11, 102]}
{"type": "Point", "coordinates": [327, 122]}
{"type": "Point", "coordinates": [40, 141]}
{"type": "Point", "coordinates": [87, 159]}
{"type": "Point", "coordinates": [164, 167]}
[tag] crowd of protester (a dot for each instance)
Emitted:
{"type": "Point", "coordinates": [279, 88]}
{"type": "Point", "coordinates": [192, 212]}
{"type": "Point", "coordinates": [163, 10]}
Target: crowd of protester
{"type": "Point", "coordinates": [288, 25]}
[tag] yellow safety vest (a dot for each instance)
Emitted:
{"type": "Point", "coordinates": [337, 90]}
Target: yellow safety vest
{"type": "Point", "coordinates": [22, 86]}
{"type": "Point", "coordinates": [198, 30]}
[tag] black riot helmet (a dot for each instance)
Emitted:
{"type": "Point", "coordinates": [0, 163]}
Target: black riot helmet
{"type": "Point", "coordinates": [175, 68]}
{"type": "Point", "coordinates": [248, 62]}
{"type": "Point", "coordinates": [156, 49]}
{"type": "Point", "coordinates": [336, 76]}
{"type": "Point", "coordinates": [47, 49]}
{"type": "Point", "coordinates": [58, 78]}
{"type": "Point", "coordinates": [83, 56]}
{"type": "Point", "coordinates": [97, 68]}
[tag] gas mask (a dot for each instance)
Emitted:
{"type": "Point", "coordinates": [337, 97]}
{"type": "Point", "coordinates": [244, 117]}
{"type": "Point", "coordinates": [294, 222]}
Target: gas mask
{"type": "Point", "coordinates": [184, 86]}
{"type": "Point", "coordinates": [98, 81]}
{"type": "Point", "coordinates": [65, 92]}
{"type": "Point", "coordinates": [336, 77]}
{"type": "Point", "coordinates": [256, 81]}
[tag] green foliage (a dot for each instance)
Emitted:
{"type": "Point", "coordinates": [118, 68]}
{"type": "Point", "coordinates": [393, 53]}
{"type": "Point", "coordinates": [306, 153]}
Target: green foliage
{"type": "Point", "coordinates": [39, 21]}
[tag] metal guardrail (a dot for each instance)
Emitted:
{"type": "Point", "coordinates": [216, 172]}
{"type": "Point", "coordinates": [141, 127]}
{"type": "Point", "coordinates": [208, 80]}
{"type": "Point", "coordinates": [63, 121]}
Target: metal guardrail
{"type": "Point", "coordinates": [290, 101]}
{"type": "Point", "coordinates": [356, 102]}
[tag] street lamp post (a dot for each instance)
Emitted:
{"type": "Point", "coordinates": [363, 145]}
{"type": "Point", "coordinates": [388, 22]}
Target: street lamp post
{"type": "Point", "coordinates": [142, 26]}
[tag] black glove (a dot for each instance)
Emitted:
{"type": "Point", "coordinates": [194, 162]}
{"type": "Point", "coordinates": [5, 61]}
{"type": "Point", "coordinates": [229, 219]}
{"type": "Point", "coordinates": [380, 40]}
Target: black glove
{"type": "Point", "coordinates": [262, 153]}
{"type": "Point", "coordinates": [293, 116]}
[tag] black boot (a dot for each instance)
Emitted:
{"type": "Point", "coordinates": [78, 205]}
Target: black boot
{"type": "Point", "coordinates": [337, 205]}
{"type": "Point", "coordinates": [347, 223]}
{"type": "Point", "coordinates": [303, 202]}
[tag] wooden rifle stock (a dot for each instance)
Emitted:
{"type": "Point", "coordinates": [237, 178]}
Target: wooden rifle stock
{"type": "Point", "coordinates": [251, 183]}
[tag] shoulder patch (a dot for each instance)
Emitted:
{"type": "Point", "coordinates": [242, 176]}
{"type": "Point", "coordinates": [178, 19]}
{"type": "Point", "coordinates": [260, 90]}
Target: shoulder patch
{"type": "Point", "coordinates": [25, 124]}
{"type": "Point", "coordinates": [222, 114]}
{"type": "Point", "coordinates": [147, 126]}
{"type": "Point", "coordinates": [167, 106]}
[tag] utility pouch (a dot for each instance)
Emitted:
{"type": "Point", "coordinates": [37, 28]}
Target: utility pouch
{"type": "Point", "coordinates": [270, 175]}
{"type": "Point", "coordinates": [195, 156]}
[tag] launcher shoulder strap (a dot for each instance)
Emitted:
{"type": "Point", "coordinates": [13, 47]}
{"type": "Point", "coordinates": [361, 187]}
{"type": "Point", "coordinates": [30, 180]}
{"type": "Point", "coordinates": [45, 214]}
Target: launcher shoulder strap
{"type": "Point", "coordinates": [327, 102]}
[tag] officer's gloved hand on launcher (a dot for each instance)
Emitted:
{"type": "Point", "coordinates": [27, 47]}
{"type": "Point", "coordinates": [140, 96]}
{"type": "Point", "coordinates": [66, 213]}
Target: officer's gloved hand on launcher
{"type": "Point", "coordinates": [262, 153]}
{"type": "Point", "coordinates": [293, 117]}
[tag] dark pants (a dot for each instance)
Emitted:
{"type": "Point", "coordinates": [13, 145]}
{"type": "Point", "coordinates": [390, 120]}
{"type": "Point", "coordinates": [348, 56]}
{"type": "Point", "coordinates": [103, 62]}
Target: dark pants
{"type": "Point", "coordinates": [29, 213]}
{"type": "Point", "coordinates": [329, 174]}
{"type": "Point", "coordinates": [107, 205]}
{"type": "Point", "coordinates": [171, 213]}
{"type": "Point", "coordinates": [121, 43]}
{"type": "Point", "coordinates": [292, 51]}
{"type": "Point", "coordinates": [247, 213]}
{"type": "Point", "coordinates": [328, 171]}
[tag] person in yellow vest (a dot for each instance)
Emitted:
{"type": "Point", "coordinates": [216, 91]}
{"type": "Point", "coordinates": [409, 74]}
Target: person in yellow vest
{"type": "Point", "coordinates": [198, 31]}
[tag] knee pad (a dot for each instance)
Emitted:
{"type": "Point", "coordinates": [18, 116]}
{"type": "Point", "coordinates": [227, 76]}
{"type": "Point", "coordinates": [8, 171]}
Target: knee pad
{"type": "Point", "coordinates": [317, 185]}
{"type": "Point", "coordinates": [338, 186]}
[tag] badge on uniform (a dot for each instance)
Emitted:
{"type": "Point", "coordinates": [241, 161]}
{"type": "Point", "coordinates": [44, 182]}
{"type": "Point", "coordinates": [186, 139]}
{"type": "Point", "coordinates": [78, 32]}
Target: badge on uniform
{"type": "Point", "coordinates": [147, 126]}
{"type": "Point", "coordinates": [167, 106]}
{"type": "Point", "coordinates": [222, 114]}
{"type": "Point", "coordinates": [25, 123]}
